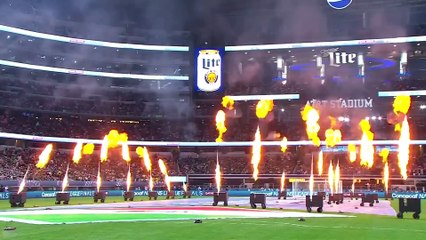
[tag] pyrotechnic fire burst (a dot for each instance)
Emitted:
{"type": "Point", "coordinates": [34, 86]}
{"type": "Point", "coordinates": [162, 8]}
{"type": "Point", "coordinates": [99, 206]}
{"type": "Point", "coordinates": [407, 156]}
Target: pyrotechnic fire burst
{"type": "Point", "coordinates": [228, 102]}
{"type": "Point", "coordinates": [147, 160]}
{"type": "Point", "coordinates": [337, 179]}
{"type": "Point", "coordinates": [404, 148]}
{"type": "Point", "coordinates": [331, 177]}
{"type": "Point", "coordinates": [115, 138]}
{"type": "Point", "coordinates": [163, 170]}
{"type": "Point", "coordinates": [332, 135]}
{"type": "Point", "coordinates": [88, 148]}
{"type": "Point", "coordinates": [311, 179]}
{"type": "Point", "coordinates": [384, 154]}
{"type": "Point", "coordinates": [386, 177]}
{"type": "Point", "coordinates": [367, 147]}
{"type": "Point", "coordinates": [283, 181]}
{"type": "Point", "coordinates": [65, 181]}
{"type": "Point", "coordinates": [23, 181]}
{"type": "Point", "coordinates": [218, 174]}
{"type": "Point", "coordinates": [401, 105]}
{"type": "Point", "coordinates": [44, 157]}
{"type": "Point", "coordinates": [284, 145]}
{"type": "Point", "coordinates": [129, 179]}
{"type": "Point", "coordinates": [220, 125]}
{"type": "Point", "coordinates": [104, 149]}
{"type": "Point", "coordinates": [98, 179]}
{"type": "Point", "coordinates": [352, 152]}
{"type": "Point", "coordinates": [311, 116]}
{"type": "Point", "coordinates": [263, 107]}
{"type": "Point", "coordinates": [125, 152]}
{"type": "Point", "coordinates": [77, 152]}
{"type": "Point", "coordinates": [256, 154]}
{"type": "Point", "coordinates": [320, 163]}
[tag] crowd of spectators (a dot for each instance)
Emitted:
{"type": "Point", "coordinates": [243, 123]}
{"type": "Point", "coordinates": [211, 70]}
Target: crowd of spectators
{"type": "Point", "coordinates": [14, 163]}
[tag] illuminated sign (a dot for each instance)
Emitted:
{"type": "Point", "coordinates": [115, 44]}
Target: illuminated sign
{"type": "Point", "coordinates": [208, 72]}
{"type": "Point", "coordinates": [339, 4]}
{"type": "Point", "coordinates": [297, 180]}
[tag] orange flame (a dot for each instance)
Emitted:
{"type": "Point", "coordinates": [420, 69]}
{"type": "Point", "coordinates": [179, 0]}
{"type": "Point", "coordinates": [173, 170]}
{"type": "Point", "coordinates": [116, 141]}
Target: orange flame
{"type": "Point", "coordinates": [220, 125]}
{"type": "Point", "coordinates": [367, 148]}
{"type": "Point", "coordinates": [337, 178]}
{"type": "Point", "coordinates": [332, 137]}
{"type": "Point", "coordinates": [283, 182]}
{"type": "Point", "coordinates": [311, 179]}
{"type": "Point", "coordinates": [65, 181]}
{"type": "Point", "coordinates": [320, 163]}
{"type": "Point", "coordinates": [139, 151]}
{"type": "Point", "coordinates": [44, 157]}
{"type": "Point", "coordinates": [104, 149]}
{"type": "Point", "coordinates": [125, 152]}
{"type": "Point", "coordinates": [23, 181]}
{"type": "Point", "coordinates": [384, 154]}
{"type": "Point", "coordinates": [263, 107]}
{"type": "Point", "coordinates": [228, 102]}
{"type": "Point", "coordinates": [163, 170]}
{"type": "Point", "coordinates": [284, 145]}
{"type": "Point", "coordinates": [88, 148]}
{"type": "Point", "coordinates": [129, 179]}
{"type": "Point", "coordinates": [147, 159]}
{"type": "Point", "coordinates": [256, 155]}
{"type": "Point", "coordinates": [218, 174]}
{"type": "Point", "coordinates": [352, 152]}
{"type": "Point", "coordinates": [115, 138]}
{"type": "Point", "coordinates": [331, 177]}
{"type": "Point", "coordinates": [404, 148]}
{"type": "Point", "coordinates": [185, 187]}
{"type": "Point", "coordinates": [77, 152]}
{"type": "Point", "coordinates": [98, 179]}
{"type": "Point", "coordinates": [311, 116]}
{"type": "Point", "coordinates": [386, 177]}
{"type": "Point", "coordinates": [401, 105]}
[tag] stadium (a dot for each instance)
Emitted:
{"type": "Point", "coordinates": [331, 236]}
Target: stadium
{"type": "Point", "coordinates": [223, 119]}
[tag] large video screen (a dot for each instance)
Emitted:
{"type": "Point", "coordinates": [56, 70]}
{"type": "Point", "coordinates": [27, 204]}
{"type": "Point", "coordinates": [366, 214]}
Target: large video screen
{"type": "Point", "coordinates": [343, 79]}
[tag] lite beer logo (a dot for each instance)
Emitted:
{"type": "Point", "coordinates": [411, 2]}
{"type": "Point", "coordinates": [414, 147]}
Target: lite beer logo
{"type": "Point", "coordinates": [209, 70]}
{"type": "Point", "coordinates": [339, 4]}
{"type": "Point", "coordinates": [337, 58]}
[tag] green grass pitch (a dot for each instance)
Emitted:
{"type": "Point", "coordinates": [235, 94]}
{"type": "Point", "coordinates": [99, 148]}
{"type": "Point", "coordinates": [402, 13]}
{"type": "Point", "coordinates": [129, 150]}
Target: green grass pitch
{"type": "Point", "coordinates": [359, 227]}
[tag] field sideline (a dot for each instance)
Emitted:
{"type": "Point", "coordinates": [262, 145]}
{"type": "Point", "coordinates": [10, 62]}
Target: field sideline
{"type": "Point", "coordinates": [359, 227]}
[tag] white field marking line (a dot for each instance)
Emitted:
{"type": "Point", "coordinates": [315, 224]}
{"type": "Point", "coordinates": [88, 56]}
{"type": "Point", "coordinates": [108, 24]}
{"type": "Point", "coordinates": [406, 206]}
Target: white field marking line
{"type": "Point", "coordinates": [253, 214]}
{"type": "Point", "coordinates": [260, 223]}
{"type": "Point", "coordinates": [22, 220]}
{"type": "Point", "coordinates": [108, 221]}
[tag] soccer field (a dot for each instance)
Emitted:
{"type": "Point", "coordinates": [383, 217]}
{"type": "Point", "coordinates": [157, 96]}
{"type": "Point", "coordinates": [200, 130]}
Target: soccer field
{"type": "Point", "coordinates": [157, 225]}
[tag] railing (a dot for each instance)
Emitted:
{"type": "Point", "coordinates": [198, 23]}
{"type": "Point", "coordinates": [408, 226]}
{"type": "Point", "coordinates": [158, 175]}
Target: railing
{"type": "Point", "coordinates": [92, 42]}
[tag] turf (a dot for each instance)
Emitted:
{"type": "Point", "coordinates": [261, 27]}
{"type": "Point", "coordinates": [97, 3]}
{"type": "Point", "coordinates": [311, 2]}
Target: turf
{"type": "Point", "coordinates": [360, 227]}
{"type": "Point", "coordinates": [46, 202]}
{"type": "Point", "coordinates": [111, 217]}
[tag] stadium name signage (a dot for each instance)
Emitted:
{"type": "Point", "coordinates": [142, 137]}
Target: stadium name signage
{"type": "Point", "coordinates": [344, 103]}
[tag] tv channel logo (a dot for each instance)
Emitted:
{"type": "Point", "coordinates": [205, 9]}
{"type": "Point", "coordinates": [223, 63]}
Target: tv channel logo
{"type": "Point", "coordinates": [339, 4]}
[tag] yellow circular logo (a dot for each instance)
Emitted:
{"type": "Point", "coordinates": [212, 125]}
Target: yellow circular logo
{"type": "Point", "coordinates": [211, 77]}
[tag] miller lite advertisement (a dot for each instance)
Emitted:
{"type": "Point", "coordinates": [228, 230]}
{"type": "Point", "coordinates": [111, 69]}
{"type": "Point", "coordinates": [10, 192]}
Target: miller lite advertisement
{"type": "Point", "coordinates": [209, 70]}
